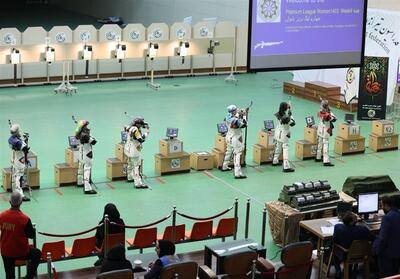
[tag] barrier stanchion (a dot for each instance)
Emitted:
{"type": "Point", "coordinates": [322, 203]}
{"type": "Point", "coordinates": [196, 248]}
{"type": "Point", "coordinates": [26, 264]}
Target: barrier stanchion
{"type": "Point", "coordinates": [236, 218]}
{"type": "Point", "coordinates": [264, 224]}
{"type": "Point", "coordinates": [105, 241]}
{"type": "Point", "coordinates": [174, 224]}
{"type": "Point", "coordinates": [49, 270]}
{"type": "Point", "coordinates": [246, 229]}
{"type": "Point", "coordinates": [34, 237]}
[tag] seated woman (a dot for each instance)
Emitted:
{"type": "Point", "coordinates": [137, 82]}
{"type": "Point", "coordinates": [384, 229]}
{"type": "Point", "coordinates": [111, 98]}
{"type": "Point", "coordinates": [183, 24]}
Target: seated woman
{"type": "Point", "coordinates": [344, 234]}
{"type": "Point", "coordinates": [116, 260]}
{"type": "Point", "coordinates": [166, 255]}
{"type": "Point", "coordinates": [114, 217]}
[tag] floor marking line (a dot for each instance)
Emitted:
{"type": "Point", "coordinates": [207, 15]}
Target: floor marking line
{"type": "Point", "coordinates": [4, 198]}
{"type": "Point", "coordinates": [296, 163]}
{"type": "Point", "coordinates": [339, 160]}
{"type": "Point", "coordinates": [109, 185]}
{"type": "Point", "coordinates": [236, 189]}
{"type": "Point", "coordinates": [206, 173]}
{"type": "Point", "coordinates": [376, 155]}
{"type": "Point", "coordinates": [58, 191]}
{"type": "Point", "coordinates": [256, 168]}
{"type": "Point", "coordinates": [160, 180]}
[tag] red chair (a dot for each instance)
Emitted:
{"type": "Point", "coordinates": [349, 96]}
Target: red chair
{"type": "Point", "coordinates": [143, 238]}
{"type": "Point", "coordinates": [226, 227]}
{"type": "Point", "coordinates": [57, 250]}
{"type": "Point", "coordinates": [200, 231]}
{"type": "Point", "coordinates": [82, 247]}
{"type": "Point", "coordinates": [112, 240]}
{"type": "Point", "coordinates": [179, 233]}
{"type": "Point", "coordinates": [18, 265]}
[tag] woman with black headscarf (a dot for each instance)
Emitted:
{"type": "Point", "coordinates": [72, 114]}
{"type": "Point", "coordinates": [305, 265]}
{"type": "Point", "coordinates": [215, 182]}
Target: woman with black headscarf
{"type": "Point", "coordinates": [113, 216]}
{"type": "Point", "coordinates": [116, 260]}
{"type": "Point", "coordinates": [165, 250]}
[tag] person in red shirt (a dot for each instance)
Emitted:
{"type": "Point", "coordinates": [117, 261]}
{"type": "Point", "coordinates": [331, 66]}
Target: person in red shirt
{"type": "Point", "coordinates": [16, 228]}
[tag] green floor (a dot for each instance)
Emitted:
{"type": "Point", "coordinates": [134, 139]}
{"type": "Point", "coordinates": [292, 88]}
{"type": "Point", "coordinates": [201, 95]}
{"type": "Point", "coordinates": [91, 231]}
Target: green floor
{"type": "Point", "coordinates": [194, 105]}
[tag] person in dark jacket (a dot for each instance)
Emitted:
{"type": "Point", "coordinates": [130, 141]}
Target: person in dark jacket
{"type": "Point", "coordinates": [387, 245]}
{"type": "Point", "coordinates": [114, 217]}
{"type": "Point", "coordinates": [166, 255]}
{"type": "Point", "coordinates": [116, 260]}
{"type": "Point", "coordinates": [344, 234]}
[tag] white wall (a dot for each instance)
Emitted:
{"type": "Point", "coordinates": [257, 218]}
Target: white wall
{"type": "Point", "coordinates": [168, 11]}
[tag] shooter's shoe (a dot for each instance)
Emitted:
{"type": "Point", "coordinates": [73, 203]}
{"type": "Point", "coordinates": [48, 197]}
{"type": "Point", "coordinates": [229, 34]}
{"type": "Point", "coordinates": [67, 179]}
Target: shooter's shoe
{"type": "Point", "coordinates": [141, 186]}
{"type": "Point", "coordinates": [277, 164]}
{"type": "Point", "coordinates": [329, 164]}
{"type": "Point", "coordinates": [318, 160]}
{"type": "Point", "coordinates": [226, 169]}
{"type": "Point", "coordinates": [25, 199]}
{"type": "Point", "coordinates": [130, 181]}
{"type": "Point", "coordinates": [240, 177]}
{"type": "Point", "coordinates": [90, 192]}
{"type": "Point", "coordinates": [79, 185]}
{"type": "Point", "coordinates": [288, 170]}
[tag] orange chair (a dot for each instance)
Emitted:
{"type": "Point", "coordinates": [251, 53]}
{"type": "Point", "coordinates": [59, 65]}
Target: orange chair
{"type": "Point", "coordinates": [200, 231]}
{"type": "Point", "coordinates": [143, 238]}
{"type": "Point", "coordinates": [226, 227]}
{"type": "Point", "coordinates": [179, 233]}
{"type": "Point", "coordinates": [82, 247]}
{"type": "Point", "coordinates": [57, 250]}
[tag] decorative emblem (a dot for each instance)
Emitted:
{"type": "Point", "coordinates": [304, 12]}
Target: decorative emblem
{"type": "Point", "coordinates": [268, 11]}
{"type": "Point", "coordinates": [204, 31]}
{"type": "Point", "coordinates": [85, 36]}
{"type": "Point", "coordinates": [9, 39]}
{"type": "Point", "coordinates": [157, 33]}
{"type": "Point", "coordinates": [134, 34]}
{"type": "Point", "coordinates": [110, 35]}
{"type": "Point", "coordinates": [181, 32]}
{"type": "Point", "coordinates": [61, 37]}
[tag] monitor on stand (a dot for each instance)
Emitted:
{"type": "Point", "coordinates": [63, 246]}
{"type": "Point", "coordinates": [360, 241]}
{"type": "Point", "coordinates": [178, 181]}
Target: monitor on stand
{"type": "Point", "coordinates": [368, 203]}
{"type": "Point", "coordinates": [269, 125]}
{"type": "Point", "coordinates": [73, 142]}
{"type": "Point", "coordinates": [310, 122]}
{"type": "Point", "coordinates": [222, 128]}
{"type": "Point", "coordinates": [172, 133]}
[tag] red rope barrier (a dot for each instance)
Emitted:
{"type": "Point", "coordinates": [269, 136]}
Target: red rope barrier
{"type": "Point", "coordinates": [68, 235]}
{"type": "Point", "coordinates": [142, 226]}
{"type": "Point", "coordinates": [207, 218]}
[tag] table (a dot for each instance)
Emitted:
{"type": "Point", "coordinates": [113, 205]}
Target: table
{"type": "Point", "coordinates": [146, 259]}
{"type": "Point", "coordinates": [220, 251]}
{"type": "Point", "coordinates": [314, 227]}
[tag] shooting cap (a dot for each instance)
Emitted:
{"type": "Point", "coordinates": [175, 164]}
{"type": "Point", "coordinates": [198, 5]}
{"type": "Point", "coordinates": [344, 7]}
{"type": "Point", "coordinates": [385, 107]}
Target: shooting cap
{"type": "Point", "coordinates": [138, 121]}
{"type": "Point", "coordinates": [14, 129]}
{"type": "Point", "coordinates": [81, 124]}
{"type": "Point", "coordinates": [231, 108]}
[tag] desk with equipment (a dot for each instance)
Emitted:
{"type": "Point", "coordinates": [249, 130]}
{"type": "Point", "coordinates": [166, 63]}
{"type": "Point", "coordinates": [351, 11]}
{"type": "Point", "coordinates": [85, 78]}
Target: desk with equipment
{"type": "Point", "coordinates": [263, 151]}
{"type": "Point", "coordinates": [66, 173]}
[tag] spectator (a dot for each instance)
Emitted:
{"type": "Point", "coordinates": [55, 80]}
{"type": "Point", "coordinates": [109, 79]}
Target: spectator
{"type": "Point", "coordinates": [344, 234]}
{"type": "Point", "coordinates": [166, 255]}
{"type": "Point", "coordinates": [16, 228]}
{"type": "Point", "coordinates": [116, 260]}
{"type": "Point", "coordinates": [114, 217]}
{"type": "Point", "coordinates": [387, 245]}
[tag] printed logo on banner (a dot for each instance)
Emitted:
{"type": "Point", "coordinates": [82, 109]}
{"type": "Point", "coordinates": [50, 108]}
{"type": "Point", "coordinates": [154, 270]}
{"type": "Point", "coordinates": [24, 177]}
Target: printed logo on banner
{"type": "Point", "coordinates": [204, 31]}
{"type": "Point", "coordinates": [157, 33]}
{"type": "Point", "coordinates": [380, 30]}
{"type": "Point", "coordinates": [110, 35]}
{"type": "Point", "coordinates": [134, 34]}
{"type": "Point", "coordinates": [85, 36]}
{"type": "Point", "coordinates": [373, 88]}
{"type": "Point", "coordinates": [350, 92]}
{"type": "Point", "coordinates": [175, 163]}
{"type": "Point", "coordinates": [180, 33]}
{"type": "Point", "coordinates": [61, 37]}
{"type": "Point", "coordinates": [268, 11]}
{"type": "Point", "coordinates": [9, 39]}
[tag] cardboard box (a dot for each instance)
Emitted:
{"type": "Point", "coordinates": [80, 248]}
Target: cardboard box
{"type": "Point", "coordinates": [220, 142]}
{"type": "Point", "coordinates": [65, 174]}
{"type": "Point", "coordinates": [310, 134]}
{"type": "Point", "coordinates": [116, 169]}
{"type": "Point", "coordinates": [171, 147]}
{"type": "Point", "coordinates": [305, 149]}
{"type": "Point", "coordinates": [263, 155]}
{"type": "Point", "coordinates": [382, 127]}
{"type": "Point", "coordinates": [119, 152]}
{"type": "Point", "coordinates": [33, 178]}
{"type": "Point", "coordinates": [218, 157]}
{"type": "Point", "coordinates": [201, 161]}
{"type": "Point", "coordinates": [349, 131]}
{"type": "Point", "coordinates": [266, 138]}
{"type": "Point", "coordinates": [379, 143]}
{"type": "Point", "coordinates": [349, 146]}
{"type": "Point", "coordinates": [171, 164]}
{"type": "Point", "coordinates": [71, 157]}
